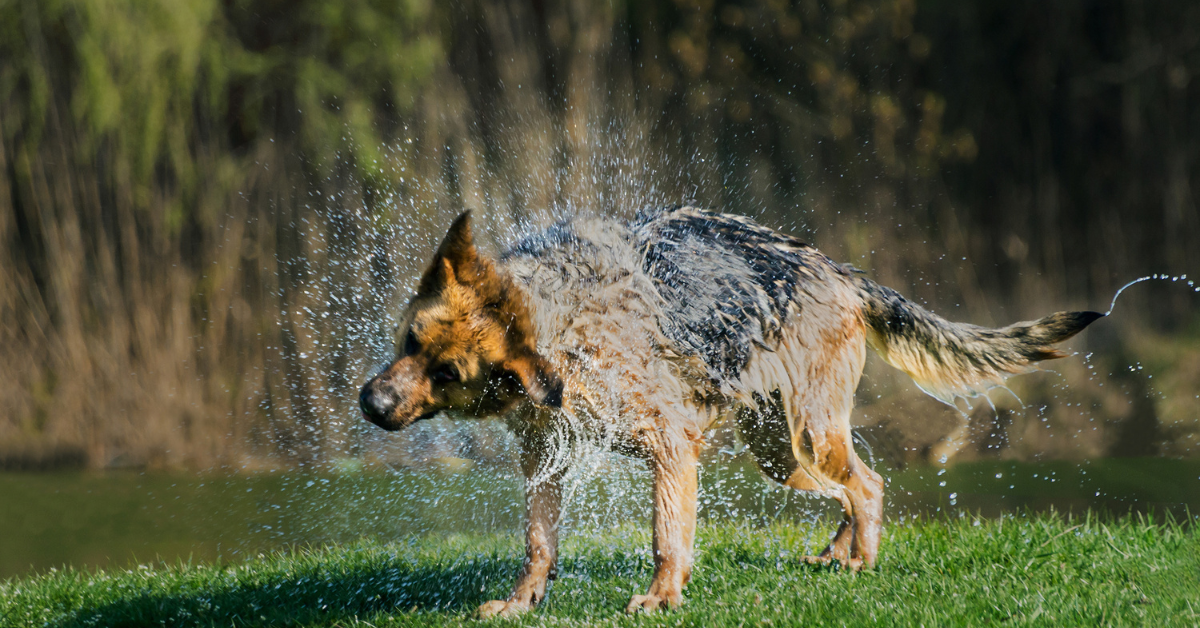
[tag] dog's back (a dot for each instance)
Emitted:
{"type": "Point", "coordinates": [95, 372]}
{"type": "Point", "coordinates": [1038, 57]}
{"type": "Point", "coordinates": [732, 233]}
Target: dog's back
{"type": "Point", "coordinates": [729, 285]}
{"type": "Point", "coordinates": [726, 285]}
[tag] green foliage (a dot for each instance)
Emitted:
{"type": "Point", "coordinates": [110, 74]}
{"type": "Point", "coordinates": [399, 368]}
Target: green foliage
{"type": "Point", "coordinates": [347, 70]}
{"type": "Point", "coordinates": [154, 90]}
{"type": "Point", "coordinates": [1037, 571]}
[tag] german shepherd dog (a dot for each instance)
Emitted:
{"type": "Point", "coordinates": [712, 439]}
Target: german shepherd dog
{"type": "Point", "coordinates": [646, 333]}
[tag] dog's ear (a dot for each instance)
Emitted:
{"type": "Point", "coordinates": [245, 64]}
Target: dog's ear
{"type": "Point", "coordinates": [455, 256]}
{"type": "Point", "coordinates": [541, 383]}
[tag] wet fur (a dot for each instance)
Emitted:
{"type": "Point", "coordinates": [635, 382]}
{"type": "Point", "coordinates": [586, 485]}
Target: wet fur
{"type": "Point", "coordinates": [644, 335]}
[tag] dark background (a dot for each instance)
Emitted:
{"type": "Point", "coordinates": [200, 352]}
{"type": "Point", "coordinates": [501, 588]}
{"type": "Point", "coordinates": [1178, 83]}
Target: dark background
{"type": "Point", "coordinates": [210, 212]}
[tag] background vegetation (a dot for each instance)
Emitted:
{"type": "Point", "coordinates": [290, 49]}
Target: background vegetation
{"type": "Point", "coordinates": [209, 211]}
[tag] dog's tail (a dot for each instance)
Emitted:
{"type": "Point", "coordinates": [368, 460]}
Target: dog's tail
{"type": "Point", "coordinates": [949, 360]}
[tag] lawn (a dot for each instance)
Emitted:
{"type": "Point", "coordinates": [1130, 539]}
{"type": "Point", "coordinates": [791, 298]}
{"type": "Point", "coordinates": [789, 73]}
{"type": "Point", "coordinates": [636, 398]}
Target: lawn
{"type": "Point", "coordinates": [1038, 570]}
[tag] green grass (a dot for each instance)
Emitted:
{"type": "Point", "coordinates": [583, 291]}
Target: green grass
{"type": "Point", "coordinates": [1037, 570]}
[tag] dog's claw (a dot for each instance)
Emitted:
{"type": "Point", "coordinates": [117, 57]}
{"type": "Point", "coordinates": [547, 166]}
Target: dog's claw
{"type": "Point", "coordinates": [502, 608]}
{"type": "Point", "coordinates": [651, 602]}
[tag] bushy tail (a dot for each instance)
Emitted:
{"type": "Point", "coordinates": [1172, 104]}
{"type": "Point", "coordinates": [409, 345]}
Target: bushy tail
{"type": "Point", "coordinates": [948, 359]}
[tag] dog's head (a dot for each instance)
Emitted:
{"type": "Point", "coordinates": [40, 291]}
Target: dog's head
{"type": "Point", "coordinates": [466, 343]}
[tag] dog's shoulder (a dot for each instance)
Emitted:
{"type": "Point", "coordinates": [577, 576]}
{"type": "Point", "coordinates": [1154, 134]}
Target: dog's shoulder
{"type": "Point", "coordinates": [571, 262]}
{"type": "Point", "coordinates": [728, 284]}
{"type": "Point", "coordinates": [557, 237]}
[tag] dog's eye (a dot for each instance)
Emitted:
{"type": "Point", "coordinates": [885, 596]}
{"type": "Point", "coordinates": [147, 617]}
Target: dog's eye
{"type": "Point", "coordinates": [445, 374]}
{"type": "Point", "coordinates": [411, 345]}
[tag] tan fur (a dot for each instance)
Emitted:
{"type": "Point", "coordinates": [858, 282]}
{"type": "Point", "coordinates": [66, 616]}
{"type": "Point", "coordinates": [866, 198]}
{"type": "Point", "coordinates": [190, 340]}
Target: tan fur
{"type": "Point", "coordinates": [560, 345]}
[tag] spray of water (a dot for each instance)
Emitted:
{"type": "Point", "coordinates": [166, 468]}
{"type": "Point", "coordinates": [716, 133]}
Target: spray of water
{"type": "Point", "coordinates": [350, 284]}
{"type": "Point", "coordinates": [344, 287]}
{"type": "Point", "coordinates": [1156, 277]}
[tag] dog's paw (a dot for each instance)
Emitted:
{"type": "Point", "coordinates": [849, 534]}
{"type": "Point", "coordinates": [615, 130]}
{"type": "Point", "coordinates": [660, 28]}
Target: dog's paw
{"type": "Point", "coordinates": [651, 602]}
{"type": "Point", "coordinates": [822, 559]}
{"type": "Point", "coordinates": [502, 608]}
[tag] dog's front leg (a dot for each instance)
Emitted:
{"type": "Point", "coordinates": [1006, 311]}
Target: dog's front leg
{"type": "Point", "coordinates": [543, 496]}
{"type": "Point", "coordinates": [674, 528]}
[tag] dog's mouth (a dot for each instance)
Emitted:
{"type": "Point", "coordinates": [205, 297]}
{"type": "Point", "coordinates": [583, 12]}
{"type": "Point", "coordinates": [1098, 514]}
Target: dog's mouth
{"type": "Point", "coordinates": [396, 426]}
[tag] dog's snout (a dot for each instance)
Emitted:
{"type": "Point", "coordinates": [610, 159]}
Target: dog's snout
{"type": "Point", "coordinates": [376, 405]}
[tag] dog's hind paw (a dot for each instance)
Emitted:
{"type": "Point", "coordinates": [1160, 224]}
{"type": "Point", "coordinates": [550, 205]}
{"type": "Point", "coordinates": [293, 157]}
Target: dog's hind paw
{"type": "Point", "coordinates": [502, 608]}
{"type": "Point", "coordinates": [652, 602]}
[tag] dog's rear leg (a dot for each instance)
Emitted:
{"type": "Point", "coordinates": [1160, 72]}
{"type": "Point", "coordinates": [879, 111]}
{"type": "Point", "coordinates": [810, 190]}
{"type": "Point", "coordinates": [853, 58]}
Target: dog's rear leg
{"type": "Point", "coordinates": [838, 548]}
{"type": "Point", "coordinates": [864, 488]}
{"type": "Point", "coordinates": [766, 432]}
{"type": "Point", "coordinates": [543, 497]}
{"type": "Point", "coordinates": [674, 528]}
{"type": "Point", "coordinates": [828, 465]}
{"type": "Point", "coordinates": [856, 543]}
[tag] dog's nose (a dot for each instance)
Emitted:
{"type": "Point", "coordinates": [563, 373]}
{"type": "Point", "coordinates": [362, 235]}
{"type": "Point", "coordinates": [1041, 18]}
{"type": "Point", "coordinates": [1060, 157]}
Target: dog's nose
{"type": "Point", "coordinates": [375, 405]}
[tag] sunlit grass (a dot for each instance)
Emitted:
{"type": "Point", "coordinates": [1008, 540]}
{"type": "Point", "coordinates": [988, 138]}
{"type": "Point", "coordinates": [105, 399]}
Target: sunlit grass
{"type": "Point", "coordinates": [1038, 570]}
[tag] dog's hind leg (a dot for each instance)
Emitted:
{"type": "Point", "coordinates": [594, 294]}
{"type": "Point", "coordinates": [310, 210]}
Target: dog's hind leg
{"type": "Point", "coordinates": [866, 488]}
{"type": "Point", "coordinates": [819, 417]}
{"type": "Point", "coordinates": [859, 489]}
{"type": "Point", "coordinates": [767, 434]}
{"type": "Point", "coordinates": [543, 498]}
{"type": "Point", "coordinates": [824, 446]}
{"type": "Point", "coordinates": [801, 435]}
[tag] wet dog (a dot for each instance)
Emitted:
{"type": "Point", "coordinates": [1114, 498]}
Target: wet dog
{"type": "Point", "coordinates": [644, 334]}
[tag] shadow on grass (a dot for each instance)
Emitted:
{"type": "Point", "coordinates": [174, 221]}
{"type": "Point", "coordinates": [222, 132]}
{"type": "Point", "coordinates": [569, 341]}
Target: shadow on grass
{"type": "Point", "coordinates": [320, 592]}
{"type": "Point", "coordinates": [746, 558]}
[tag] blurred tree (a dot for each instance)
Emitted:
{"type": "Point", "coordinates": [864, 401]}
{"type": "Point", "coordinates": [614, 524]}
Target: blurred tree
{"type": "Point", "coordinates": [133, 137]}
